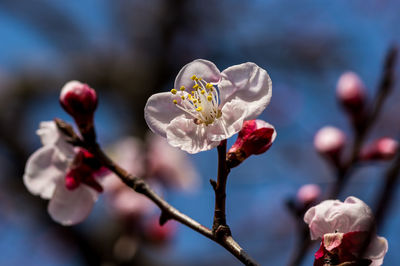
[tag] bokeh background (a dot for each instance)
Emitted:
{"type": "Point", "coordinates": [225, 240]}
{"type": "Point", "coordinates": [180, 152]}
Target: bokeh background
{"type": "Point", "coordinates": [128, 50]}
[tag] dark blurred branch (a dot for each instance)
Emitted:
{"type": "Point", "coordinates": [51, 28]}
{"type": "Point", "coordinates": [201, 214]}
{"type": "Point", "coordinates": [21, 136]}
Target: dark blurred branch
{"type": "Point", "coordinates": [345, 169]}
{"type": "Point", "coordinates": [140, 186]}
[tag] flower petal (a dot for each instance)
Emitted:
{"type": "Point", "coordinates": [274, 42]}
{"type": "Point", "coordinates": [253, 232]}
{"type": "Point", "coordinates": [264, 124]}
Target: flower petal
{"type": "Point", "coordinates": [43, 169]}
{"type": "Point", "coordinates": [188, 136]}
{"type": "Point", "coordinates": [69, 207]}
{"type": "Point", "coordinates": [377, 250]}
{"type": "Point", "coordinates": [248, 83]}
{"type": "Point", "coordinates": [233, 114]}
{"type": "Point", "coordinates": [333, 215]}
{"type": "Point", "coordinates": [50, 135]}
{"type": "Point", "coordinates": [160, 111]}
{"type": "Point", "coordinates": [201, 68]}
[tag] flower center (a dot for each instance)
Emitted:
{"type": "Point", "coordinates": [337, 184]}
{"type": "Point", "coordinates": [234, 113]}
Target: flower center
{"type": "Point", "coordinates": [201, 101]}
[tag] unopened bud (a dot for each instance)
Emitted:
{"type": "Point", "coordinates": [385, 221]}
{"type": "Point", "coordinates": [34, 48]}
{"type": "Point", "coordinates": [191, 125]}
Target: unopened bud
{"type": "Point", "coordinates": [381, 149]}
{"type": "Point", "coordinates": [329, 141]}
{"type": "Point", "coordinates": [308, 194]}
{"type": "Point", "coordinates": [255, 137]}
{"type": "Point", "coordinates": [80, 101]}
{"type": "Point", "coordinates": [350, 92]}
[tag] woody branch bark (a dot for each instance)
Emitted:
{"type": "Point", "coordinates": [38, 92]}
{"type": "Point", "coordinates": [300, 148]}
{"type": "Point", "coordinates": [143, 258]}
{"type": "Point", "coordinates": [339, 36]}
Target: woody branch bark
{"type": "Point", "coordinates": [140, 186]}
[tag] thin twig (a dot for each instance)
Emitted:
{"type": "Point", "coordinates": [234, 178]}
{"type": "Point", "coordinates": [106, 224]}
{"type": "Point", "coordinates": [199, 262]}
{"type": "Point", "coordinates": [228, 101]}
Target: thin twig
{"type": "Point", "coordinates": [168, 211]}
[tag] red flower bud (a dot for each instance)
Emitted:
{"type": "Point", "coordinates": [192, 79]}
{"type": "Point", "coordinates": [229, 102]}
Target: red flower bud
{"type": "Point", "coordinates": [329, 141]}
{"type": "Point", "coordinates": [255, 137]}
{"type": "Point", "coordinates": [80, 101]}
{"type": "Point", "coordinates": [381, 149]}
{"type": "Point", "coordinates": [350, 92]}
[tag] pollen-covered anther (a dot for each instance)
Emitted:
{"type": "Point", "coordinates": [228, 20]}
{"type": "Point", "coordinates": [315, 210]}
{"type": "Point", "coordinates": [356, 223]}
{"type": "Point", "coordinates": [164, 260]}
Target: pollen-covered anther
{"type": "Point", "coordinates": [182, 88]}
{"type": "Point", "coordinates": [201, 103]}
{"type": "Point", "coordinates": [175, 101]}
{"type": "Point", "coordinates": [173, 91]}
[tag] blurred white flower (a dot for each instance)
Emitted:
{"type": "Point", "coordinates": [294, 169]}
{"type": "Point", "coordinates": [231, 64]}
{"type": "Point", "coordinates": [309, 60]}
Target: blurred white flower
{"type": "Point", "coordinates": [64, 175]}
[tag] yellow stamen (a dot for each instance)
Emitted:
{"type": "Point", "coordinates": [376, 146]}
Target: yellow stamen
{"type": "Point", "coordinates": [183, 97]}
{"type": "Point", "coordinates": [173, 91]}
{"type": "Point", "coordinates": [198, 109]}
{"type": "Point", "coordinates": [175, 101]}
{"type": "Point", "coordinates": [194, 77]}
{"type": "Point", "coordinates": [209, 86]}
{"type": "Point", "coordinates": [194, 101]}
{"type": "Point", "coordinates": [209, 98]}
{"type": "Point", "coordinates": [196, 86]}
{"type": "Point", "coordinates": [203, 91]}
{"type": "Point", "coordinates": [182, 88]}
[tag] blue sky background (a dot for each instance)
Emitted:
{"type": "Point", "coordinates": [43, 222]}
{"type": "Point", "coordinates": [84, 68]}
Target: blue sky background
{"type": "Point", "coordinates": [304, 45]}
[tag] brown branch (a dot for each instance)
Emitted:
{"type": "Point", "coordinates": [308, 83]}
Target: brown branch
{"type": "Point", "coordinates": [220, 236]}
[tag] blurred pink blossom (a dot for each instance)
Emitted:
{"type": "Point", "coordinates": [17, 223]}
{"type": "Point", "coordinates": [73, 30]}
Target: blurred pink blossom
{"type": "Point", "coordinates": [308, 193]}
{"type": "Point", "coordinates": [350, 91]}
{"type": "Point", "coordinates": [381, 149]}
{"type": "Point", "coordinates": [329, 141]}
{"type": "Point", "coordinates": [159, 163]}
{"type": "Point", "coordinates": [343, 226]}
{"type": "Point", "coordinates": [64, 175]}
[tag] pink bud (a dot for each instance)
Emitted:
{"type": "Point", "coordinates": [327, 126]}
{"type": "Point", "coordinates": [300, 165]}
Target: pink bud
{"type": "Point", "coordinates": [80, 101]}
{"type": "Point", "coordinates": [308, 193]}
{"type": "Point", "coordinates": [381, 149]}
{"type": "Point", "coordinates": [255, 137]}
{"type": "Point", "coordinates": [350, 91]}
{"type": "Point", "coordinates": [330, 141]}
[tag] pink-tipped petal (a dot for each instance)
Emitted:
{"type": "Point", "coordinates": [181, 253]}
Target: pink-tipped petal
{"type": "Point", "coordinates": [69, 207]}
{"type": "Point", "coordinates": [160, 111]}
{"type": "Point", "coordinates": [248, 83]}
{"type": "Point", "coordinates": [201, 68]}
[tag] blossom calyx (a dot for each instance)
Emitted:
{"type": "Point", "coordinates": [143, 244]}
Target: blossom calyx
{"type": "Point", "coordinates": [80, 101]}
{"type": "Point", "coordinates": [381, 149]}
{"type": "Point", "coordinates": [255, 137]}
{"type": "Point", "coordinates": [350, 92]}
